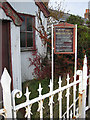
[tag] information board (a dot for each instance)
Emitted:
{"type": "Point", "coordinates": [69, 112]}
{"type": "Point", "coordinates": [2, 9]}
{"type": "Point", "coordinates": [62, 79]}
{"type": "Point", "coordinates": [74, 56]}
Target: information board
{"type": "Point", "coordinates": [64, 40]}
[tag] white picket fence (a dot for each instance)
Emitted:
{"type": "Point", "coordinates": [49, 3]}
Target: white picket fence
{"type": "Point", "coordinates": [10, 108]}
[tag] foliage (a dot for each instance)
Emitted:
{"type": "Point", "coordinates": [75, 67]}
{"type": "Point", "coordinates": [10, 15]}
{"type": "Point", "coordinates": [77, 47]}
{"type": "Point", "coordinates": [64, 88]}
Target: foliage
{"type": "Point", "coordinates": [89, 16]}
{"type": "Point", "coordinates": [56, 11]}
{"type": "Point", "coordinates": [83, 43]}
{"type": "Point", "coordinates": [33, 87]}
{"type": "Point", "coordinates": [41, 66]}
{"type": "Point", "coordinates": [83, 39]}
{"type": "Point", "coordinates": [62, 63]}
{"type": "Point", "coordinates": [75, 20]}
{"type": "Point", "coordinates": [36, 62]}
{"type": "Point", "coordinates": [55, 16]}
{"type": "Point", "coordinates": [65, 63]}
{"type": "Point", "coordinates": [88, 23]}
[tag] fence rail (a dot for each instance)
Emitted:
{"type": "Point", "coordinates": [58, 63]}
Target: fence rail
{"type": "Point", "coordinates": [72, 111]}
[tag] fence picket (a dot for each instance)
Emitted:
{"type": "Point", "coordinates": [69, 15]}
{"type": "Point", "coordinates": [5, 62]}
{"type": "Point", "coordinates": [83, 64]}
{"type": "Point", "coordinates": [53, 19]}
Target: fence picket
{"type": "Point", "coordinates": [60, 99]}
{"type": "Point", "coordinates": [40, 109]}
{"type": "Point", "coordinates": [67, 95]}
{"type": "Point", "coordinates": [18, 94]}
{"type": "Point", "coordinates": [71, 114]}
{"type": "Point", "coordinates": [84, 86]}
{"type": "Point", "coordinates": [74, 96]}
{"type": "Point", "coordinates": [79, 72]}
{"type": "Point", "coordinates": [28, 108]}
{"type": "Point", "coordinates": [51, 100]}
{"type": "Point", "coordinates": [79, 110]}
{"type": "Point", "coordinates": [6, 86]}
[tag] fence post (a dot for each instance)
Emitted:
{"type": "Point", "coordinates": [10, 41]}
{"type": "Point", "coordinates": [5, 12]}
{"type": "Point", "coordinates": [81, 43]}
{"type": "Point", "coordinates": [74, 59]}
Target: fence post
{"type": "Point", "coordinates": [6, 86]}
{"type": "Point", "coordinates": [79, 72]}
{"type": "Point", "coordinates": [84, 87]}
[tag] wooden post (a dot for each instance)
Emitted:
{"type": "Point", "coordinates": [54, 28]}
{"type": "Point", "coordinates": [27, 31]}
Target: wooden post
{"type": "Point", "coordinates": [6, 86]}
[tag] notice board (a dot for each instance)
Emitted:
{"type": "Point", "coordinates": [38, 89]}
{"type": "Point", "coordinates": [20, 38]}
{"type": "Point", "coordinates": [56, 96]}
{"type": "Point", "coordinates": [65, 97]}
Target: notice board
{"type": "Point", "coordinates": [64, 38]}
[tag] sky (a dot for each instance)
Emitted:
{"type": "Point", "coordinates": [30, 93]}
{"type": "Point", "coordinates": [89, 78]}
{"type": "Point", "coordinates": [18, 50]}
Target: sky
{"type": "Point", "coordinates": [76, 7]}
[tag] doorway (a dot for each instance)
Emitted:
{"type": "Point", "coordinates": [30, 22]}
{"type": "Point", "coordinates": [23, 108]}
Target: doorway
{"type": "Point", "coordinates": [5, 57]}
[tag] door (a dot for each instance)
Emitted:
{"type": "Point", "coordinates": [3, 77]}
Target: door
{"type": "Point", "coordinates": [4, 48]}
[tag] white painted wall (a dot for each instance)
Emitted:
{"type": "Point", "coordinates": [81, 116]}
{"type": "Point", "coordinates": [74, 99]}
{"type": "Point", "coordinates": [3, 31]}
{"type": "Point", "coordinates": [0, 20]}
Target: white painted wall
{"type": "Point", "coordinates": [31, 9]}
{"type": "Point", "coordinates": [15, 51]}
{"type": "Point", "coordinates": [26, 71]}
{"type": "Point", "coordinates": [3, 15]}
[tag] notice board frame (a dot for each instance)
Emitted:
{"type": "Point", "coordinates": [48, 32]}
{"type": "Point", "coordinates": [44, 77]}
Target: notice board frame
{"type": "Point", "coordinates": [64, 25]}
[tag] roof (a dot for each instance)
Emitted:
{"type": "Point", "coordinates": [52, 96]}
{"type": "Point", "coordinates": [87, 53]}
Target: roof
{"type": "Point", "coordinates": [59, 15]}
{"type": "Point", "coordinates": [9, 11]}
{"type": "Point", "coordinates": [42, 7]}
{"type": "Point", "coordinates": [17, 20]}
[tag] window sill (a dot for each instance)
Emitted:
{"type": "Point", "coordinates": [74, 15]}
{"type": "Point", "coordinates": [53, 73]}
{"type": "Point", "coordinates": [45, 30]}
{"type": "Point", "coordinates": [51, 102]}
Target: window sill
{"type": "Point", "coordinates": [27, 49]}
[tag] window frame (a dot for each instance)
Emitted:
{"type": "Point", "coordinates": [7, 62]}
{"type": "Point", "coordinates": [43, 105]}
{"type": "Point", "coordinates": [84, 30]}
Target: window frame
{"type": "Point", "coordinates": [34, 45]}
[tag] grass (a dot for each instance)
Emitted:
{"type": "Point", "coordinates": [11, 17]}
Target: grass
{"type": "Point", "coordinates": [33, 86]}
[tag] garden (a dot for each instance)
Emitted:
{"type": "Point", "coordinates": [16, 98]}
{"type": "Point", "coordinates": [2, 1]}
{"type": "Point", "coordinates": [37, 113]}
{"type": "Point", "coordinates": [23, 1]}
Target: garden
{"type": "Point", "coordinates": [63, 64]}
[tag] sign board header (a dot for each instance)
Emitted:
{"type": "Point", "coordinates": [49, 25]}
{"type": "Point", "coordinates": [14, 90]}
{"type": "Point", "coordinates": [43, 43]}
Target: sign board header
{"type": "Point", "coordinates": [64, 38]}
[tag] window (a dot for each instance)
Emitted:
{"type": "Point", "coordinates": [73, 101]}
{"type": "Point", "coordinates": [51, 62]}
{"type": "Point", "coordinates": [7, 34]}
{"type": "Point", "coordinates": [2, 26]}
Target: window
{"type": "Point", "coordinates": [27, 32]}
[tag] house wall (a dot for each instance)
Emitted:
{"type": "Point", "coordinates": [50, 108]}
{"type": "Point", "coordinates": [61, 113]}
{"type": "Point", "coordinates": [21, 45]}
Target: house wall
{"type": "Point", "coordinates": [31, 9]}
{"type": "Point", "coordinates": [15, 51]}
